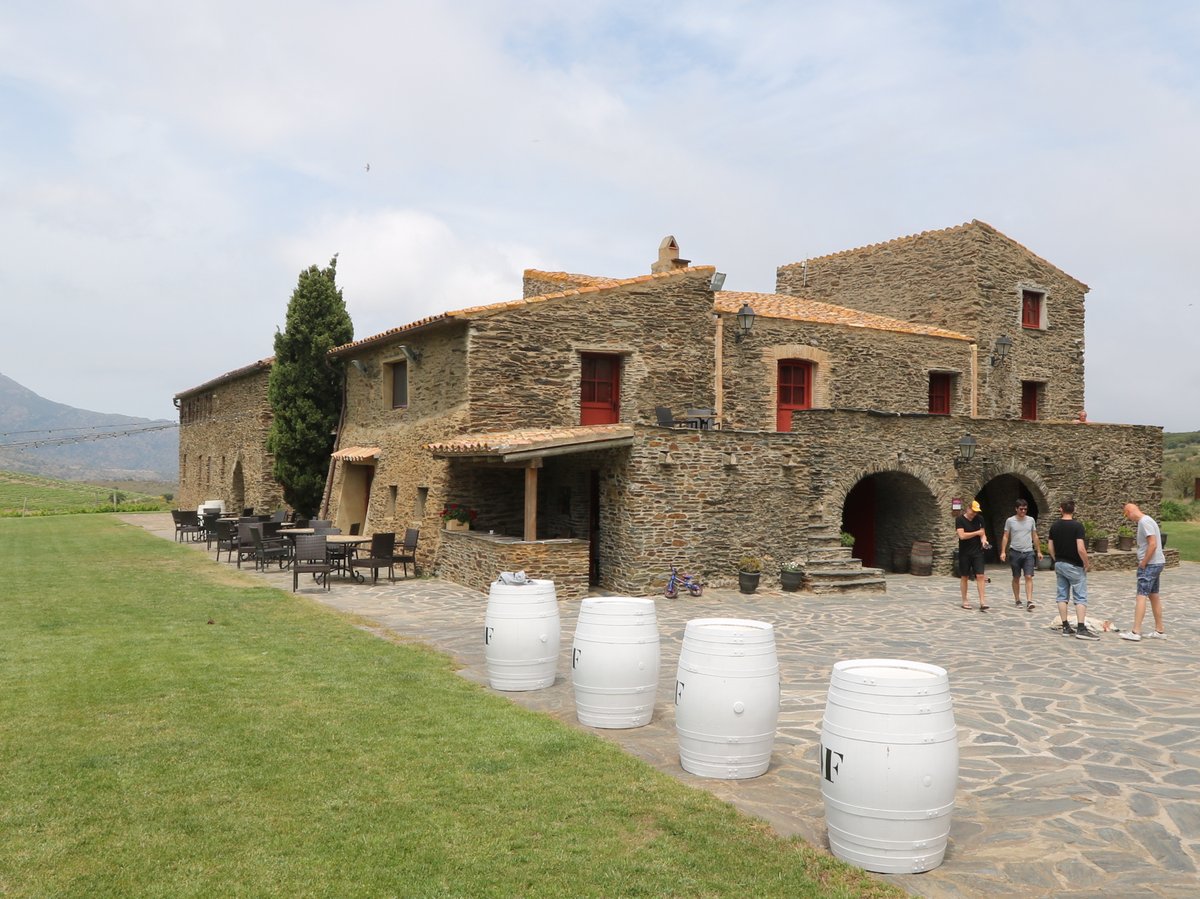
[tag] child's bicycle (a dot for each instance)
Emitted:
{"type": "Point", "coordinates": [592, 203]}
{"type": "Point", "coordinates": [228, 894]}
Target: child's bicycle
{"type": "Point", "coordinates": [688, 582]}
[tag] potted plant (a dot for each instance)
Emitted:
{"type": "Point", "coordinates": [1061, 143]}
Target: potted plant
{"type": "Point", "coordinates": [1096, 539]}
{"type": "Point", "coordinates": [791, 575]}
{"type": "Point", "coordinates": [749, 572]}
{"type": "Point", "coordinates": [1045, 563]}
{"type": "Point", "coordinates": [1125, 538]}
{"type": "Point", "coordinates": [458, 517]}
{"type": "Point", "coordinates": [848, 541]}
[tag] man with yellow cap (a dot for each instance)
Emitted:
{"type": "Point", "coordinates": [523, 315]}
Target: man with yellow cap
{"type": "Point", "coordinates": [972, 541]}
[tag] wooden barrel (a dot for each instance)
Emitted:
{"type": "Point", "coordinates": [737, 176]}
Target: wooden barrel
{"type": "Point", "coordinates": [521, 635]}
{"type": "Point", "coordinates": [922, 558]}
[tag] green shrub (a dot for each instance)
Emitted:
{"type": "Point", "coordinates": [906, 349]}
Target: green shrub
{"type": "Point", "coordinates": [750, 564]}
{"type": "Point", "coordinates": [1173, 511]}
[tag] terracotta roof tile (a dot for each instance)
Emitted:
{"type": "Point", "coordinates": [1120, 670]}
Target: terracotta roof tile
{"type": "Point", "coordinates": [356, 453]}
{"type": "Point", "coordinates": [252, 368]}
{"type": "Point", "coordinates": [571, 277]}
{"type": "Point", "coordinates": [527, 439]}
{"type": "Point", "coordinates": [773, 305]}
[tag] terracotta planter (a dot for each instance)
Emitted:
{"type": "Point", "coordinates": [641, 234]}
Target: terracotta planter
{"type": "Point", "coordinates": [791, 581]}
{"type": "Point", "coordinates": [454, 525]}
{"type": "Point", "coordinates": [748, 581]}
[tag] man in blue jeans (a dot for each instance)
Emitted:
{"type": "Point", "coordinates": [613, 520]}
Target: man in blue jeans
{"type": "Point", "coordinates": [1151, 562]}
{"type": "Point", "coordinates": [1068, 549]}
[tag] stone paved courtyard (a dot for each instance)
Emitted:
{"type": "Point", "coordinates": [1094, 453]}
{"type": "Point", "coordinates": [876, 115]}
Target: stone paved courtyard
{"type": "Point", "coordinates": [1079, 761]}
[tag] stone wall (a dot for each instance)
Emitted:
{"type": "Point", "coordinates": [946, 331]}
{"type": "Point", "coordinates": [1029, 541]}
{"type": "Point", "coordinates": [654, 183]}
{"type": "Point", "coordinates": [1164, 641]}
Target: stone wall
{"type": "Point", "coordinates": [702, 499]}
{"type": "Point", "coordinates": [223, 432]}
{"type": "Point", "coordinates": [967, 279]}
{"type": "Point", "coordinates": [475, 560]}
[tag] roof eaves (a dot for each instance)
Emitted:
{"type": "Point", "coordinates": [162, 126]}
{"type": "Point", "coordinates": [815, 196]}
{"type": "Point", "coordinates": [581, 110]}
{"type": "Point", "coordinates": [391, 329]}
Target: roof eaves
{"type": "Point", "coordinates": [244, 371]}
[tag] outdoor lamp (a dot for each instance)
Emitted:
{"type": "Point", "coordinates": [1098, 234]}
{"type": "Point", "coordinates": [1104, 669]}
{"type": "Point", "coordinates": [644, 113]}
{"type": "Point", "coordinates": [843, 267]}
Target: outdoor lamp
{"type": "Point", "coordinates": [966, 450]}
{"type": "Point", "coordinates": [745, 320]}
{"type": "Point", "coordinates": [1003, 345]}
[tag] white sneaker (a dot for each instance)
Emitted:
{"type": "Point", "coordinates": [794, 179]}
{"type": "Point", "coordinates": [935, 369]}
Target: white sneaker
{"type": "Point", "coordinates": [1130, 635]}
{"type": "Point", "coordinates": [1158, 635]}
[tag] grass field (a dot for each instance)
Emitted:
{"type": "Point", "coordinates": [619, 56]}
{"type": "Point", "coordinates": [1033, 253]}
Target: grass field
{"type": "Point", "coordinates": [26, 494]}
{"type": "Point", "coordinates": [174, 728]}
{"type": "Point", "coordinates": [1183, 536]}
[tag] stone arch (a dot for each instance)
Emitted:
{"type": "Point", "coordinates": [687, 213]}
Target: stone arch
{"type": "Point", "coordinates": [887, 506]}
{"type": "Point", "coordinates": [237, 487]}
{"type": "Point", "coordinates": [1000, 485]}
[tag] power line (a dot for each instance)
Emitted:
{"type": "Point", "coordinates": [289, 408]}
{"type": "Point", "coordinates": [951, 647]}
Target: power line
{"type": "Point", "coordinates": [82, 438]}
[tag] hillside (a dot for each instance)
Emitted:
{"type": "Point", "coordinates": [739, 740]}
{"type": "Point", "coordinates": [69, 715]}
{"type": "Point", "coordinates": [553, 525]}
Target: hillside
{"type": "Point", "coordinates": [42, 437]}
{"type": "Point", "coordinates": [1181, 464]}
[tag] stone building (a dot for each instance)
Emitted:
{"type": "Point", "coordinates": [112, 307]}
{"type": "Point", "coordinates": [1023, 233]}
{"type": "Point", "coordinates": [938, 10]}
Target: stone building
{"type": "Point", "coordinates": [604, 429]}
{"type": "Point", "coordinates": [223, 425]}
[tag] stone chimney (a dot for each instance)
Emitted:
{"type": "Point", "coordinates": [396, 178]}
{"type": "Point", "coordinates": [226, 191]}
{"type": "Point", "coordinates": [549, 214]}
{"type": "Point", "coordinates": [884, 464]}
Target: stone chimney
{"type": "Point", "coordinates": [668, 257]}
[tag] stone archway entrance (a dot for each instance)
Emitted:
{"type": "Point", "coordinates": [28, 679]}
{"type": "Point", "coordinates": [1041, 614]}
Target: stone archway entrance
{"type": "Point", "coordinates": [998, 498]}
{"type": "Point", "coordinates": [886, 512]}
{"type": "Point", "coordinates": [237, 493]}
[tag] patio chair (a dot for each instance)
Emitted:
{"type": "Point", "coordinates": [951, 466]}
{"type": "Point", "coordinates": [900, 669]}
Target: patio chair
{"type": "Point", "coordinates": [310, 558]}
{"type": "Point", "coordinates": [383, 555]}
{"type": "Point", "coordinates": [279, 515]}
{"type": "Point", "coordinates": [666, 418]}
{"type": "Point", "coordinates": [226, 535]}
{"type": "Point", "coordinates": [318, 523]}
{"type": "Point", "coordinates": [267, 550]}
{"type": "Point", "coordinates": [408, 552]}
{"type": "Point", "coordinates": [187, 525]}
{"type": "Point", "coordinates": [245, 541]}
{"type": "Point", "coordinates": [208, 527]}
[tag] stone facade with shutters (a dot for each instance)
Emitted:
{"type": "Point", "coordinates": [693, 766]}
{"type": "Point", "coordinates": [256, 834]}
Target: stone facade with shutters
{"type": "Point", "coordinates": [492, 412]}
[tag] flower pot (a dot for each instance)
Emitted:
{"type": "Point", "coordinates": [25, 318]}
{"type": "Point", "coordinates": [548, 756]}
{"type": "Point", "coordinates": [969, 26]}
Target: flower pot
{"type": "Point", "coordinates": [1045, 563]}
{"type": "Point", "coordinates": [748, 581]}
{"type": "Point", "coordinates": [791, 581]}
{"type": "Point", "coordinates": [1125, 544]}
{"type": "Point", "coordinates": [1100, 545]}
{"type": "Point", "coordinates": [455, 525]}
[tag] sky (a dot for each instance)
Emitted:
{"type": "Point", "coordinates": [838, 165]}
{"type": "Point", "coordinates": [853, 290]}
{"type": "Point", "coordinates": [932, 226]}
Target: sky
{"type": "Point", "coordinates": [168, 169]}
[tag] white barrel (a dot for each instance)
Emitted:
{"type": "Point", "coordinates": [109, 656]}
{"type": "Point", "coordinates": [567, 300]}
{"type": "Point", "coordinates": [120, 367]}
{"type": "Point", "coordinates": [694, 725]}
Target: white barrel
{"type": "Point", "coordinates": [889, 764]}
{"type": "Point", "coordinates": [521, 635]}
{"type": "Point", "coordinates": [727, 697]}
{"type": "Point", "coordinates": [614, 661]}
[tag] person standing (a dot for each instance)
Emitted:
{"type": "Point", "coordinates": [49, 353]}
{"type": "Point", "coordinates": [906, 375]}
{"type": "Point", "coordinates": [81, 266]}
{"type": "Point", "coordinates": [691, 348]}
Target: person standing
{"type": "Point", "coordinates": [1151, 562]}
{"type": "Point", "coordinates": [972, 541]}
{"type": "Point", "coordinates": [1020, 543]}
{"type": "Point", "coordinates": [1068, 549]}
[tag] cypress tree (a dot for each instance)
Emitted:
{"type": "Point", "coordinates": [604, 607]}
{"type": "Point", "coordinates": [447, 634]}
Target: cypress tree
{"type": "Point", "coordinates": [305, 387]}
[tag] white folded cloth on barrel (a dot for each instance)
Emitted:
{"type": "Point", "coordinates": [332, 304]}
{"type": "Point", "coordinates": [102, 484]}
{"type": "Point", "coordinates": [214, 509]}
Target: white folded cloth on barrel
{"type": "Point", "coordinates": [513, 578]}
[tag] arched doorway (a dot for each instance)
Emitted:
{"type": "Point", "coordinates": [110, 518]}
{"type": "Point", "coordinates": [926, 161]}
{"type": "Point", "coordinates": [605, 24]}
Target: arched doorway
{"type": "Point", "coordinates": [998, 499]}
{"type": "Point", "coordinates": [886, 512]}
{"type": "Point", "coordinates": [237, 493]}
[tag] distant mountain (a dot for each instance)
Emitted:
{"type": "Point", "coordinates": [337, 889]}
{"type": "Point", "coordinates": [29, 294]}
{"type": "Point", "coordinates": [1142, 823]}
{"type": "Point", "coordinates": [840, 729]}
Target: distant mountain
{"type": "Point", "coordinates": [42, 437]}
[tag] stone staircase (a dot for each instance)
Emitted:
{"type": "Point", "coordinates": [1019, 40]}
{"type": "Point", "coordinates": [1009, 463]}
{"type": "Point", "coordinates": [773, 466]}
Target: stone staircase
{"type": "Point", "coordinates": [831, 568]}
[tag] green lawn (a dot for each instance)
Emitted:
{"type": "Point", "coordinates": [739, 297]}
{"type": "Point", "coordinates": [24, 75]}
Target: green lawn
{"type": "Point", "coordinates": [1183, 536]}
{"type": "Point", "coordinates": [27, 494]}
{"type": "Point", "coordinates": [171, 727]}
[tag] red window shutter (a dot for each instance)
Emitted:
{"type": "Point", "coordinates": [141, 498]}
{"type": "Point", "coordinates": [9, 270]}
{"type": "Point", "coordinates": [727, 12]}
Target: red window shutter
{"type": "Point", "coordinates": [600, 390]}
{"type": "Point", "coordinates": [939, 393]}
{"type": "Point", "coordinates": [1031, 309]}
{"type": "Point", "coordinates": [794, 391]}
{"type": "Point", "coordinates": [1029, 400]}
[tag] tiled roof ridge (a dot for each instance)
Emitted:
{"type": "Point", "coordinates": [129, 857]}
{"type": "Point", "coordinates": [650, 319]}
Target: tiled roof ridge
{"type": "Point", "coordinates": [910, 238]}
{"type": "Point", "coordinates": [905, 238]}
{"type": "Point", "coordinates": [492, 308]}
{"type": "Point", "coordinates": [569, 276]}
{"type": "Point", "coordinates": [729, 301]}
{"type": "Point", "coordinates": [252, 368]}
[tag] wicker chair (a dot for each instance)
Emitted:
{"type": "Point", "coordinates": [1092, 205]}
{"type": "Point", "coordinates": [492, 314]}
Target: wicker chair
{"type": "Point", "coordinates": [267, 550]}
{"type": "Point", "coordinates": [187, 525]}
{"type": "Point", "coordinates": [226, 535]}
{"type": "Point", "coordinates": [383, 555]}
{"type": "Point", "coordinates": [408, 552]}
{"type": "Point", "coordinates": [310, 558]}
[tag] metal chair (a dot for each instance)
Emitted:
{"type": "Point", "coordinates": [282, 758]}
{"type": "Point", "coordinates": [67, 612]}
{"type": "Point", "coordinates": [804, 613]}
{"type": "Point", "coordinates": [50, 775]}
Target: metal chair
{"type": "Point", "coordinates": [187, 525]}
{"type": "Point", "coordinates": [383, 555]}
{"type": "Point", "coordinates": [311, 559]}
{"type": "Point", "coordinates": [245, 541]}
{"type": "Point", "coordinates": [408, 552]}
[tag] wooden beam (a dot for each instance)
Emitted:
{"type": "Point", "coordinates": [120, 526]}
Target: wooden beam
{"type": "Point", "coordinates": [531, 479]}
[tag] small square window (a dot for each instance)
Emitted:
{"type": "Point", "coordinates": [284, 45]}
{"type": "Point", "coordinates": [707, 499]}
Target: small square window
{"type": "Point", "coordinates": [1032, 303]}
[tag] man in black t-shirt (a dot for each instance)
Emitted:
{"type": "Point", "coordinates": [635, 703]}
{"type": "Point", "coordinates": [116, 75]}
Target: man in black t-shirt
{"type": "Point", "coordinates": [1068, 549]}
{"type": "Point", "coordinates": [972, 541]}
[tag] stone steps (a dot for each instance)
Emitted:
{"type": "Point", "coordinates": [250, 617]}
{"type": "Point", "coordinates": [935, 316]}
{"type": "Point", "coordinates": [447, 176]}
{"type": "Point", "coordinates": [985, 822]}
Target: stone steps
{"type": "Point", "coordinates": [832, 569]}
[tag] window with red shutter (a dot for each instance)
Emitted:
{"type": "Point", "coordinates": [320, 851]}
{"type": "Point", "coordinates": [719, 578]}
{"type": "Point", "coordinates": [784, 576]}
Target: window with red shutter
{"type": "Point", "coordinates": [1031, 308]}
{"type": "Point", "coordinates": [1029, 400]}
{"type": "Point", "coordinates": [794, 391]}
{"type": "Point", "coordinates": [939, 392]}
{"type": "Point", "coordinates": [600, 393]}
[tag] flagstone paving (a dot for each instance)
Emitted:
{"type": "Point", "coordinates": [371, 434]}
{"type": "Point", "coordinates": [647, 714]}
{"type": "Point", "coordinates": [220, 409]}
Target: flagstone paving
{"type": "Point", "coordinates": [1079, 760]}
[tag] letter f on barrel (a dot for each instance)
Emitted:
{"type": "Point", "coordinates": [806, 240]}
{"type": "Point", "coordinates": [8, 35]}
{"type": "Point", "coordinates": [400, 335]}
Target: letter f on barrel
{"type": "Point", "coordinates": [829, 767]}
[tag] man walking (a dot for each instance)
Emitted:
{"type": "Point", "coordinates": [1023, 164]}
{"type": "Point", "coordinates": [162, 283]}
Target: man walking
{"type": "Point", "coordinates": [1020, 543]}
{"type": "Point", "coordinates": [972, 541]}
{"type": "Point", "coordinates": [1150, 565]}
{"type": "Point", "coordinates": [1068, 549]}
